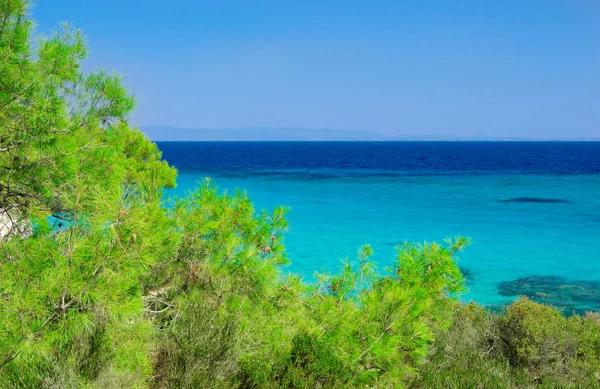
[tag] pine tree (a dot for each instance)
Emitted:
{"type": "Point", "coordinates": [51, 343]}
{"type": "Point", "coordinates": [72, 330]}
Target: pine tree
{"type": "Point", "coordinates": [80, 195]}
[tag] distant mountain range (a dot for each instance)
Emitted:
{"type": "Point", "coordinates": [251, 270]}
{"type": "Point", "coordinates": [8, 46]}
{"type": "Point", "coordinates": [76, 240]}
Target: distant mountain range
{"type": "Point", "coordinates": [163, 133]}
{"type": "Point", "coordinates": [158, 133]}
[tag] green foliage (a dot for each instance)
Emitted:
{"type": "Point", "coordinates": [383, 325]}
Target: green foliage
{"type": "Point", "coordinates": [222, 275]}
{"type": "Point", "coordinates": [313, 363]}
{"type": "Point", "coordinates": [547, 344]}
{"type": "Point", "coordinates": [527, 345]}
{"type": "Point", "coordinates": [230, 318]}
{"type": "Point", "coordinates": [381, 326]}
{"type": "Point", "coordinates": [469, 354]}
{"type": "Point", "coordinates": [70, 291]}
{"type": "Point", "coordinates": [200, 351]}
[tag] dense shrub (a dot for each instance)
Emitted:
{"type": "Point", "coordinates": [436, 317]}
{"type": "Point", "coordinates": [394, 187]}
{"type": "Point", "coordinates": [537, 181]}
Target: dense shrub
{"type": "Point", "coordinates": [550, 346]}
{"type": "Point", "coordinates": [202, 351]}
{"type": "Point", "coordinates": [527, 345]}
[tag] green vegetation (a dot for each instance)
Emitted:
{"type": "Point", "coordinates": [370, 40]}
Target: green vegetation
{"type": "Point", "coordinates": [105, 285]}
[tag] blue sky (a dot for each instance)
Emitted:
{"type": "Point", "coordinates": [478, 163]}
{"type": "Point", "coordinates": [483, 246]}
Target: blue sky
{"type": "Point", "coordinates": [528, 68]}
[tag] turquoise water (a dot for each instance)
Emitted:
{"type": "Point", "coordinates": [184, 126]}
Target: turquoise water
{"type": "Point", "coordinates": [330, 219]}
{"type": "Point", "coordinates": [334, 211]}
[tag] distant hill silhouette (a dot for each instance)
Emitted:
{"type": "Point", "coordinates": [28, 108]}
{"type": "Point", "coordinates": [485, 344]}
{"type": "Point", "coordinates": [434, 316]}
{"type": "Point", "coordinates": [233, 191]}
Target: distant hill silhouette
{"type": "Point", "coordinates": [158, 133]}
{"type": "Point", "coordinates": [164, 133]}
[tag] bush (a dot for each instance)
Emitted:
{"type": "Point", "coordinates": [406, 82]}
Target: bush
{"type": "Point", "coordinates": [469, 354]}
{"type": "Point", "coordinates": [200, 350]}
{"type": "Point", "coordinates": [550, 346]}
{"type": "Point", "coordinates": [527, 345]}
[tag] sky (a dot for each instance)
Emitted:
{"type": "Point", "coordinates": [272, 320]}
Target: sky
{"type": "Point", "coordinates": [525, 68]}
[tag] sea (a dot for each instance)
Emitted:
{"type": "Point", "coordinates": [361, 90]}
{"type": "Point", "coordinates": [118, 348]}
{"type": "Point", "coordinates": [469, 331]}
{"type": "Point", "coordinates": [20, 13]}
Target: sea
{"type": "Point", "coordinates": [531, 209]}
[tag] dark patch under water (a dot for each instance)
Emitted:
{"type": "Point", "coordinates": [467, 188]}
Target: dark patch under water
{"type": "Point", "coordinates": [535, 200]}
{"type": "Point", "coordinates": [468, 274]}
{"type": "Point", "coordinates": [571, 296]}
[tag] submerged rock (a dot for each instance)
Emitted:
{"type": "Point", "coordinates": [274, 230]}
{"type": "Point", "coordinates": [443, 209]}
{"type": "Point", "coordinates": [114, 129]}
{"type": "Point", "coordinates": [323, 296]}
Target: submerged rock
{"type": "Point", "coordinates": [468, 274]}
{"type": "Point", "coordinates": [572, 296]}
{"type": "Point", "coordinates": [535, 200]}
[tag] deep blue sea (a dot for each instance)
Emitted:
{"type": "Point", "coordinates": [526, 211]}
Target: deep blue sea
{"type": "Point", "coordinates": [532, 209]}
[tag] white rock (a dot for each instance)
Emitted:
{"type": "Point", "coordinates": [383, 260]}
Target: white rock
{"type": "Point", "coordinates": [11, 225]}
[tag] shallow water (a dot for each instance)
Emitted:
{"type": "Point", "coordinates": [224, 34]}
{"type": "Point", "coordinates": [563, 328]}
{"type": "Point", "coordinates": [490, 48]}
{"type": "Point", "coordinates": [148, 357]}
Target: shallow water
{"type": "Point", "coordinates": [531, 209]}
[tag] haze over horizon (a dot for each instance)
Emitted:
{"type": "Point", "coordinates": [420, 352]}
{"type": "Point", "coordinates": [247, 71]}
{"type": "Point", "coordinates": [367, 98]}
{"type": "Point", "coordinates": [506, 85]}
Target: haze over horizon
{"type": "Point", "coordinates": [450, 68]}
{"type": "Point", "coordinates": [167, 133]}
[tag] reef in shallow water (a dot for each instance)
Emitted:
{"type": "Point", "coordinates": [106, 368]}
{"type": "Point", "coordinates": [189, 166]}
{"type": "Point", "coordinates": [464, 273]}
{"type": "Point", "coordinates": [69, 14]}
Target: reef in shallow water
{"type": "Point", "coordinates": [468, 274]}
{"type": "Point", "coordinates": [571, 296]}
{"type": "Point", "coordinates": [535, 200]}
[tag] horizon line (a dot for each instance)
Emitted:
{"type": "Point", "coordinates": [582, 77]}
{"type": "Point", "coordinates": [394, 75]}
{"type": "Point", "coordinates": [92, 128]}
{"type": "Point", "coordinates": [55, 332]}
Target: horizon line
{"type": "Point", "coordinates": [367, 135]}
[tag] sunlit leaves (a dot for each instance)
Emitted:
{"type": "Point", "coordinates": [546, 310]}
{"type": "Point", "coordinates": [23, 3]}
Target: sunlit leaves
{"type": "Point", "coordinates": [71, 293]}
